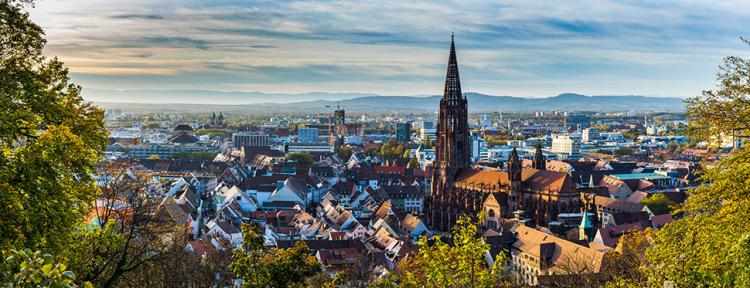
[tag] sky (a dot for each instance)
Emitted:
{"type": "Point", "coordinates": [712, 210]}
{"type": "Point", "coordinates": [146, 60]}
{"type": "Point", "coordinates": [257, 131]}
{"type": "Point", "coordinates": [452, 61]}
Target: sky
{"type": "Point", "coordinates": [524, 48]}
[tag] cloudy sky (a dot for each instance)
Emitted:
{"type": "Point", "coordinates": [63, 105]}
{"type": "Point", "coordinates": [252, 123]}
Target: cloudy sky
{"type": "Point", "coordinates": [521, 48]}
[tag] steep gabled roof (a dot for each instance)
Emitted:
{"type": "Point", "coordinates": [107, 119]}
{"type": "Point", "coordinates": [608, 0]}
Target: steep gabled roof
{"type": "Point", "coordinates": [619, 205]}
{"type": "Point", "coordinates": [558, 252]}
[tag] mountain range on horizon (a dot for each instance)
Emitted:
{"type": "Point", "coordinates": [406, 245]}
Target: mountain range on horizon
{"type": "Point", "coordinates": [204, 100]}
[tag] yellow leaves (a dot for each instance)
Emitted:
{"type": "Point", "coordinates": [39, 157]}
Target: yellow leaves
{"type": "Point", "coordinates": [461, 264]}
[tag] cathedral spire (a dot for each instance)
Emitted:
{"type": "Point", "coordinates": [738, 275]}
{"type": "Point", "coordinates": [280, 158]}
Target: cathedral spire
{"type": "Point", "coordinates": [452, 81]}
{"type": "Point", "coordinates": [453, 147]}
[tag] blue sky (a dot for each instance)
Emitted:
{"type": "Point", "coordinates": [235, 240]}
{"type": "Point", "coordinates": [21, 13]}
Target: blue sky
{"type": "Point", "coordinates": [520, 48]}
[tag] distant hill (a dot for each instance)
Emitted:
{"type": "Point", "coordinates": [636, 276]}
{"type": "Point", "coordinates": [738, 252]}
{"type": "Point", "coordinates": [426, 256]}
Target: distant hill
{"type": "Point", "coordinates": [423, 104]}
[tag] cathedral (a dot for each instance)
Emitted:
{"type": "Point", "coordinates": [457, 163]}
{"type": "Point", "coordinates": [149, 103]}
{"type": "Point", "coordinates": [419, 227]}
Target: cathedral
{"type": "Point", "coordinates": [458, 188]}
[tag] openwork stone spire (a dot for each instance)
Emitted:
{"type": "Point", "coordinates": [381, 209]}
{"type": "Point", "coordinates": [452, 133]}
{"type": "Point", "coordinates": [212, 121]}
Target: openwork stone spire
{"type": "Point", "coordinates": [452, 82]}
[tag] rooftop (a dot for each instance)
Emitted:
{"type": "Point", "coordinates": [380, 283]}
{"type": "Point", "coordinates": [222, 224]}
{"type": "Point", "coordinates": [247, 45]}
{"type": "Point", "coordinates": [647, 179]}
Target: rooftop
{"type": "Point", "coordinates": [639, 176]}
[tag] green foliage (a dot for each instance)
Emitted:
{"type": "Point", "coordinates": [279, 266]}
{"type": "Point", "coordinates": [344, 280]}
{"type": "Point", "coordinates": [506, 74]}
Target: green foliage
{"type": "Point", "coordinates": [443, 265]}
{"type": "Point", "coordinates": [407, 153]}
{"type": "Point", "coordinates": [673, 147]}
{"type": "Point", "coordinates": [302, 158]}
{"type": "Point", "coordinates": [622, 266]}
{"type": "Point", "coordinates": [427, 144]}
{"type": "Point", "coordinates": [344, 152]}
{"type": "Point", "coordinates": [153, 126]}
{"type": "Point", "coordinates": [214, 133]}
{"type": "Point", "coordinates": [631, 134]}
{"type": "Point", "coordinates": [413, 163]}
{"type": "Point", "coordinates": [603, 128]}
{"type": "Point", "coordinates": [391, 150]}
{"type": "Point", "coordinates": [275, 267]}
{"type": "Point", "coordinates": [495, 141]}
{"type": "Point", "coordinates": [33, 269]}
{"type": "Point", "coordinates": [725, 111]}
{"type": "Point", "coordinates": [658, 204]}
{"type": "Point", "coordinates": [622, 151]}
{"type": "Point", "coordinates": [708, 247]}
{"type": "Point", "coordinates": [50, 141]}
{"type": "Point", "coordinates": [153, 157]}
{"type": "Point", "coordinates": [372, 152]}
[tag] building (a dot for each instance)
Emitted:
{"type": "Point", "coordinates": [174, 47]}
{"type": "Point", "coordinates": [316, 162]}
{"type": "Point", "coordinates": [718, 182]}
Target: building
{"type": "Point", "coordinates": [113, 114]}
{"type": "Point", "coordinates": [485, 120]}
{"type": "Point", "coordinates": [457, 188]}
{"type": "Point", "coordinates": [164, 151]}
{"type": "Point", "coordinates": [590, 134]}
{"type": "Point", "coordinates": [403, 132]}
{"type": "Point", "coordinates": [216, 122]}
{"type": "Point", "coordinates": [566, 147]}
{"type": "Point", "coordinates": [405, 198]}
{"type": "Point", "coordinates": [540, 259]}
{"type": "Point", "coordinates": [311, 148]}
{"type": "Point", "coordinates": [427, 129]}
{"type": "Point", "coordinates": [307, 135]}
{"type": "Point", "coordinates": [249, 139]}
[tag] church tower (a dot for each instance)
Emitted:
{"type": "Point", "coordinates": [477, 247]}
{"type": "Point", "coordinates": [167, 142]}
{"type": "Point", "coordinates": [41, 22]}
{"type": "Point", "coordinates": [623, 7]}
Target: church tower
{"type": "Point", "coordinates": [453, 149]}
{"type": "Point", "coordinates": [539, 162]}
{"type": "Point", "coordinates": [514, 178]}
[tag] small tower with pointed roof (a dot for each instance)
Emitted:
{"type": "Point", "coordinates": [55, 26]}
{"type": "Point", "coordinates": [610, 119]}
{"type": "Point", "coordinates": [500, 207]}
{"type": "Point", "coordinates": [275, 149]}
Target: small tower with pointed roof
{"type": "Point", "coordinates": [539, 162]}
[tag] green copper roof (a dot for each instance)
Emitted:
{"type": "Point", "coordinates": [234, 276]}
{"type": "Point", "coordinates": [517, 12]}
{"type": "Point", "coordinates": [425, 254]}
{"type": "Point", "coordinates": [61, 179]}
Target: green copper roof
{"type": "Point", "coordinates": [586, 222]}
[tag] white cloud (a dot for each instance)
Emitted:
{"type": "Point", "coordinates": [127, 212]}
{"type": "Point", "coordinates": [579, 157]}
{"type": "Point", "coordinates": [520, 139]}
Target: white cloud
{"type": "Point", "coordinates": [524, 47]}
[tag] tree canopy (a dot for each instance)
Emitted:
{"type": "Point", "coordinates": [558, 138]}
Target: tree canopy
{"type": "Point", "coordinates": [460, 264]}
{"type": "Point", "coordinates": [658, 204]}
{"type": "Point", "coordinates": [302, 158]}
{"type": "Point", "coordinates": [710, 245]}
{"type": "Point", "coordinates": [275, 267]}
{"type": "Point", "coordinates": [50, 140]}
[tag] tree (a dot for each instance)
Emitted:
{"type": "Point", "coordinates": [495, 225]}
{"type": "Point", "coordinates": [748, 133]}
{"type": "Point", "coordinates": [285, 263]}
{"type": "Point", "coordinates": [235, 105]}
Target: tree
{"type": "Point", "coordinates": [622, 151]}
{"type": "Point", "coordinates": [344, 152]}
{"type": "Point", "coordinates": [302, 158]}
{"type": "Point", "coordinates": [391, 150]}
{"type": "Point", "coordinates": [708, 247]}
{"type": "Point", "coordinates": [413, 163]}
{"type": "Point", "coordinates": [407, 153]}
{"type": "Point", "coordinates": [50, 140]}
{"type": "Point", "coordinates": [32, 269]}
{"type": "Point", "coordinates": [622, 266]}
{"type": "Point", "coordinates": [275, 267]}
{"type": "Point", "coordinates": [673, 147]}
{"type": "Point", "coordinates": [129, 231]}
{"type": "Point", "coordinates": [427, 142]}
{"type": "Point", "coordinates": [214, 133]}
{"type": "Point", "coordinates": [658, 204]}
{"type": "Point", "coordinates": [443, 265]}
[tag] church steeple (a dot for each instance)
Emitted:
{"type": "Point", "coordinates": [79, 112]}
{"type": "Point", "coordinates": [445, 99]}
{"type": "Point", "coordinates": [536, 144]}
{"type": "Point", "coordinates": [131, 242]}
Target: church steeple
{"type": "Point", "coordinates": [453, 148]}
{"type": "Point", "coordinates": [514, 167]}
{"type": "Point", "coordinates": [539, 162]}
{"type": "Point", "coordinates": [452, 80]}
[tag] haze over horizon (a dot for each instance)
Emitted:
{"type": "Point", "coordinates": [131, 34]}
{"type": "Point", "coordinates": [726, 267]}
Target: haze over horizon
{"type": "Point", "coordinates": [516, 48]}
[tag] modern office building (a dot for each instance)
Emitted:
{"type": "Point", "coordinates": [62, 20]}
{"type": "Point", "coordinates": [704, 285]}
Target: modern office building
{"type": "Point", "coordinates": [307, 135]}
{"type": "Point", "coordinates": [566, 147]}
{"type": "Point", "coordinates": [403, 132]}
{"type": "Point", "coordinates": [250, 139]}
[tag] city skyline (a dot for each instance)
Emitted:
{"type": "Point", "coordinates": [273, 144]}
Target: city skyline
{"type": "Point", "coordinates": [525, 48]}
